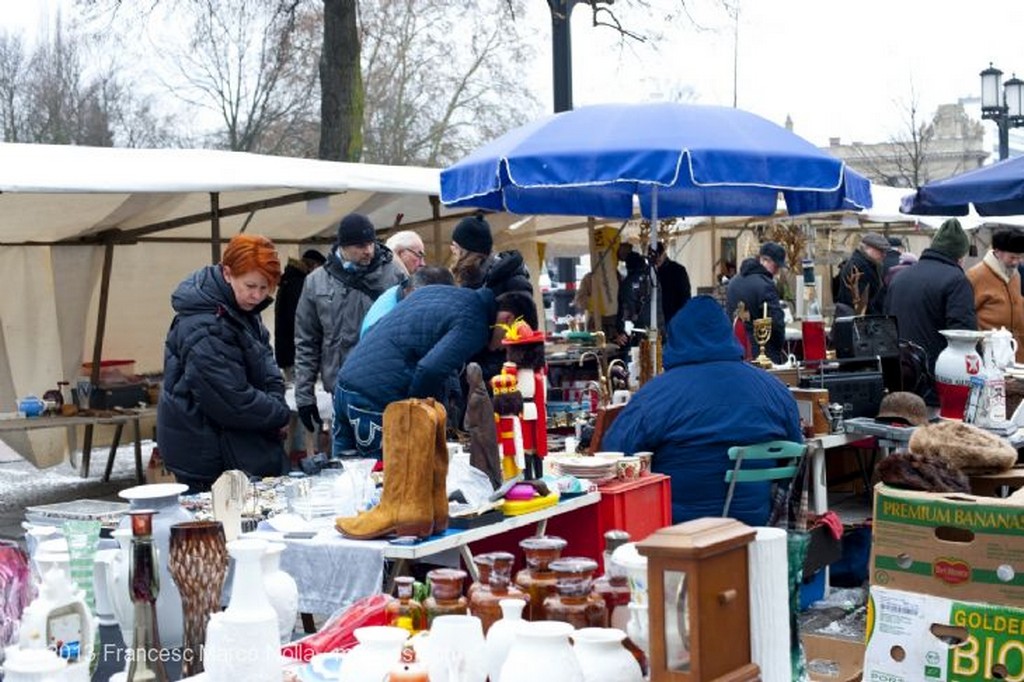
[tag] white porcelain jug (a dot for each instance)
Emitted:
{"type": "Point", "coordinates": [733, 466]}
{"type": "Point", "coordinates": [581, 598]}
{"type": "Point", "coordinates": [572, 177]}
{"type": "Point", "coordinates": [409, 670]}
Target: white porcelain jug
{"type": "Point", "coordinates": [378, 651]}
{"type": "Point", "coordinates": [501, 635]}
{"type": "Point", "coordinates": [1004, 347]}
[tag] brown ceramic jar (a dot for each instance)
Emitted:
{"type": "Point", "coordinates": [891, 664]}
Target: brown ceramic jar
{"type": "Point", "coordinates": [537, 579]}
{"type": "Point", "coordinates": [484, 604]}
{"type": "Point", "coordinates": [575, 602]}
{"type": "Point", "coordinates": [445, 594]}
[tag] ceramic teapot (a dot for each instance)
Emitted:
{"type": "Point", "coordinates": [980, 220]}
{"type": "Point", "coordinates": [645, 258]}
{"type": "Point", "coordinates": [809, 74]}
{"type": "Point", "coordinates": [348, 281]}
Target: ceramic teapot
{"type": "Point", "coordinates": [31, 406]}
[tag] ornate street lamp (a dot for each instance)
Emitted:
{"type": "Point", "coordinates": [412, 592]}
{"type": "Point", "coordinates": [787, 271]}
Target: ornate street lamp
{"type": "Point", "coordinates": [1004, 105]}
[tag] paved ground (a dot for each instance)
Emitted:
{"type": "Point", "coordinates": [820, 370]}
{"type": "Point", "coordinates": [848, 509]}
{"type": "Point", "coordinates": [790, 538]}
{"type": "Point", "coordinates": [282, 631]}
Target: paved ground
{"type": "Point", "coordinates": [22, 485]}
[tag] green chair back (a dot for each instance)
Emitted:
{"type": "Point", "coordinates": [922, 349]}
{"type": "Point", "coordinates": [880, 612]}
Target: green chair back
{"type": "Point", "coordinates": [781, 450]}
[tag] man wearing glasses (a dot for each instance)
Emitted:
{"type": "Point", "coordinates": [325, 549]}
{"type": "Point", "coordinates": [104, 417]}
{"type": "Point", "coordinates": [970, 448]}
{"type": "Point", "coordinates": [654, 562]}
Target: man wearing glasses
{"type": "Point", "coordinates": [408, 246]}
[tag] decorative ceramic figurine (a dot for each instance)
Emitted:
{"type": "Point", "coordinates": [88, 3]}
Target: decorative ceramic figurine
{"type": "Point", "coordinates": [525, 350]}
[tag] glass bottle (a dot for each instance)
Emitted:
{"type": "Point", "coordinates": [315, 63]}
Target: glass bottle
{"type": "Point", "coordinates": [485, 604]}
{"type": "Point", "coordinates": [537, 579]}
{"type": "Point", "coordinates": [575, 602]}
{"type": "Point", "coordinates": [483, 572]}
{"type": "Point", "coordinates": [144, 582]}
{"type": "Point", "coordinates": [613, 586]}
{"type": "Point", "coordinates": [405, 611]}
{"type": "Point", "coordinates": [445, 594]}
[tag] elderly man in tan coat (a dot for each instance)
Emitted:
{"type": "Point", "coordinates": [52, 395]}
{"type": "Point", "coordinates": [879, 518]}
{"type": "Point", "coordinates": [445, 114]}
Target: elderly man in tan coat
{"type": "Point", "coordinates": [997, 291]}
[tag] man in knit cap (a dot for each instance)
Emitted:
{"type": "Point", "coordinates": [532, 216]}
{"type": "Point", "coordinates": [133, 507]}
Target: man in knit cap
{"type": "Point", "coordinates": [334, 301]}
{"type": "Point", "coordinates": [997, 292]}
{"type": "Point", "coordinates": [934, 294]}
{"type": "Point", "coordinates": [860, 279]}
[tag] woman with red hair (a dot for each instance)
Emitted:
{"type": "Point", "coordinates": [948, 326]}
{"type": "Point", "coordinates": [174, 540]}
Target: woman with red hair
{"type": "Point", "coordinates": [222, 404]}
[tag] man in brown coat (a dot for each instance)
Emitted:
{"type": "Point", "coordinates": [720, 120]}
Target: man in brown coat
{"type": "Point", "coordinates": [997, 289]}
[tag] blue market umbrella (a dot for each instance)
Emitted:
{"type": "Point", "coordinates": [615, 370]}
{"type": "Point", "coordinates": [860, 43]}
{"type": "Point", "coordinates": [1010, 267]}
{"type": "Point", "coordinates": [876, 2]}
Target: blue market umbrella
{"type": "Point", "coordinates": [995, 190]}
{"type": "Point", "coordinates": [676, 159]}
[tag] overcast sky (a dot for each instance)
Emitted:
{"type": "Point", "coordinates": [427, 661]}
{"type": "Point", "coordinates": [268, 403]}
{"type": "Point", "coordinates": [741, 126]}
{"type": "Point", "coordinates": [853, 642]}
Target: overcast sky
{"type": "Point", "coordinates": [839, 69]}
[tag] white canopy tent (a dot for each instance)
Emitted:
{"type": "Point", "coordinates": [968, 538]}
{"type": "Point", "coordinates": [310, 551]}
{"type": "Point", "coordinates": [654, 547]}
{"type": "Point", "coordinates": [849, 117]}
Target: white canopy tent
{"type": "Point", "coordinates": [93, 241]}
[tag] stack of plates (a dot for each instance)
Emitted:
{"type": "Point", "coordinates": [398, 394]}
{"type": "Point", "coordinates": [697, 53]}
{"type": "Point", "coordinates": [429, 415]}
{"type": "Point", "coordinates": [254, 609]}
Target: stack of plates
{"type": "Point", "coordinates": [597, 469]}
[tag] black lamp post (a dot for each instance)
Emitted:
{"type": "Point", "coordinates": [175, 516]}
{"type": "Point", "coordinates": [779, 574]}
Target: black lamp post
{"type": "Point", "coordinates": [1003, 105]}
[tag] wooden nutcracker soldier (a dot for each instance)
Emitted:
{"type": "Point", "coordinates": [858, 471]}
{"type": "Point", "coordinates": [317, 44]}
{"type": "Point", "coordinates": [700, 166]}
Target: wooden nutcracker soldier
{"type": "Point", "coordinates": [508, 405]}
{"type": "Point", "coordinates": [524, 348]}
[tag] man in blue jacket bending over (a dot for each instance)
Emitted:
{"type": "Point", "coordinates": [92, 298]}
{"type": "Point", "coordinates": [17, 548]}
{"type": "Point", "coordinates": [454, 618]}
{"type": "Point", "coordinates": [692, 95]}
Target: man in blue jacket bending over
{"type": "Point", "coordinates": [411, 353]}
{"type": "Point", "coordinates": [707, 400]}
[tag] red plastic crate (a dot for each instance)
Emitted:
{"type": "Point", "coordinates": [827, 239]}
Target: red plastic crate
{"type": "Point", "coordinates": [638, 507]}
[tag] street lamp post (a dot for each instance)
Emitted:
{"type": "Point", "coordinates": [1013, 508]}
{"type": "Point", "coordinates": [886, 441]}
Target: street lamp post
{"type": "Point", "coordinates": [1004, 105]}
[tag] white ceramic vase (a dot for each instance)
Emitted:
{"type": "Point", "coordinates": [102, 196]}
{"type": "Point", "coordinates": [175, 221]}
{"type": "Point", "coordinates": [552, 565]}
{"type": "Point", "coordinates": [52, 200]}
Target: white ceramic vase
{"type": "Point", "coordinates": [541, 651]}
{"type": "Point", "coordinates": [242, 642]}
{"type": "Point", "coordinates": [455, 649]}
{"type": "Point", "coordinates": [954, 367]}
{"type": "Point", "coordinates": [501, 635]}
{"type": "Point", "coordinates": [117, 585]}
{"type": "Point", "coordinates": [162, 498]}
{"type": "Point", "coordinates": [378, 651]}
{"type": "Point", "coordinates": [282, 592]}
{"type": "Point", "coordinates": [602, 657]}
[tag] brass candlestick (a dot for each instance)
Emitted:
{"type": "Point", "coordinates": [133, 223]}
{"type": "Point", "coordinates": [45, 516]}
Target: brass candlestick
{"type": "Point", "coordinates": [762, 332]}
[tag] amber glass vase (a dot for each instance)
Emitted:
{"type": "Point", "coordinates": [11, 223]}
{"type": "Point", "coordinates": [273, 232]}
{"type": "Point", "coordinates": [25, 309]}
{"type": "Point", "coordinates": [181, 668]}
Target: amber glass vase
{"type": "Point", "coordinates": [198, 563]}
{"type": "Point", "coordinates": [483, 572]}
{"type": "Point", "coordinates": [574, 601]}
{"type": "Point", "coordinates": [537, 579]}
{"type": "Point", "coordinates": [445, 594]}
{"type": "Point", "coordinates": [484, 603]}
{"type": "Point", "coordinates": [404, 611]}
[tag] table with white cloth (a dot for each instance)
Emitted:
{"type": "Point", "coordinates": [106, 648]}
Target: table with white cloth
{"type": "Point", "coordinates": [332, 571]}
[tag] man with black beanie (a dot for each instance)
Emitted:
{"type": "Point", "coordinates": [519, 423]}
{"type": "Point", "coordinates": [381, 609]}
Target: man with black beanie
{"type": "Point", "coordinates": [997, 296]}
{"type": "Point", "coordinates": [934, 294]}
{"type": "Point", "coordinates": [334, 301]}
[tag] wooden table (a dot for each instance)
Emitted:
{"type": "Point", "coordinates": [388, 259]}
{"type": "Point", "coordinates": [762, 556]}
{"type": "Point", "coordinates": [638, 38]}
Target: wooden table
{"type": "Point", "coordinates": [90, 422]}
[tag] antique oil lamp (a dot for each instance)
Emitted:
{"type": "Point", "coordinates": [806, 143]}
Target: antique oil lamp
{"type": "Point", "coordinates": [697, 581]}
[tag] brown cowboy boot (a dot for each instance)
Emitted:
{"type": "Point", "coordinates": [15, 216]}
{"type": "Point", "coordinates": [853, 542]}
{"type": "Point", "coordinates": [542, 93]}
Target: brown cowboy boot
{"type": "Point", "coordinates": [406, 505]}
{"type": "Point", "coordinates": [440, 480]}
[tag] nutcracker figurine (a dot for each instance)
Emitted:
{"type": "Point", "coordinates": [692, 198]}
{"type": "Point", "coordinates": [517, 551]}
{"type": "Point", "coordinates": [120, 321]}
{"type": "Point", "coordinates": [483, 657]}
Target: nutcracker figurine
{"type": "Point", "coordinates": [508, 405]}
{"type": "Point", "coordinates": [524, 348]}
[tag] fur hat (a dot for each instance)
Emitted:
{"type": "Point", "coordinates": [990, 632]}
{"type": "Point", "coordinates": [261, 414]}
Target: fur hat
{"type": "Point", "coordinates": [774, 251]}
{"type": "Point", "coordinates": [314, 255]}
{"type": "Point", "coordinates": [355, 228]}
{"type": "Point", "coordinates": [473, 233]}
{"type": "Point", "coordinates": [951, 240]}
{"type": "Point", "coordinates": [903, 407]}
{"type": "Point", "coordinates": [875, 240]}
{"type": "Point", "coordinates": [914, 471]}
{"type": "Point", "coordinates": [965, 446]}
{"type": "Point", "coordinates": [1009, 240]}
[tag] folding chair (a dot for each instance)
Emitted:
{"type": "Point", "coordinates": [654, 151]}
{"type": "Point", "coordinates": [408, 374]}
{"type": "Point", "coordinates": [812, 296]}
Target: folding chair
{"type": "Point", "coordinates": [784, 450]}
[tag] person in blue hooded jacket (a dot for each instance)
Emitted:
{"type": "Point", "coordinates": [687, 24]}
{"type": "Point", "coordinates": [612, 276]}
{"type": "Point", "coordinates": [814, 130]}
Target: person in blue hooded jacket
{"type": "Point", "coordinates": [707, 400]}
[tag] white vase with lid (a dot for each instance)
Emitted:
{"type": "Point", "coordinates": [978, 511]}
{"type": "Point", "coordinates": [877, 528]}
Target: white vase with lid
{"type": "Point", "coordinates": [282, 592]}
{"type": "Point", "coordinates": [378, 651]}
{"type": "Point", "coordinates": [602, 656]}
{"type": "Point", "coordinates": [956, 364]}
{"type": "Point", "coordinates": [541, 651]}
{"type": "Point", "coordinates": [501, 635]}
{"type": "Point", "coordinates": [242, 642]}
{"type": "Point", "coordinates": [164, 500]}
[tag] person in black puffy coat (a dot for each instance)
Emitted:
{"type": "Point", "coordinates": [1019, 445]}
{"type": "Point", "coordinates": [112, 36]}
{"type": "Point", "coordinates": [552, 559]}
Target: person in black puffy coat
{"type": "Point", "coordinates": [222, 403]}
{"type": "Point", "coordinates": [755, 287]}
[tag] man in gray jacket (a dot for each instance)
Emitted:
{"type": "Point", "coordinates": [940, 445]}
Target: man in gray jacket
{"type": "Point", "coordinates": [334, 301]}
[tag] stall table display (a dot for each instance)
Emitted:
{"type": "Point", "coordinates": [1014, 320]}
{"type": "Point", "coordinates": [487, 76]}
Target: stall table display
{"type": "Point", "coordinates": [90, 419]}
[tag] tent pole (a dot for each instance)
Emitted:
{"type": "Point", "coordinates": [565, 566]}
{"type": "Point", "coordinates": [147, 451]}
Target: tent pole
{"type": "Point", "coordinates": [215, 226]}
{"type": "Point", "coordinates": [435, 208]}
{"type": "Point", "coordinates": [97, 344]}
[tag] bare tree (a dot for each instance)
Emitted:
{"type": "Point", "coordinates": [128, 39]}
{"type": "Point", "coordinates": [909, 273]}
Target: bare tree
{"type": "Point", "coordinates": [427, 103]}
{"type": "Point", "coordinates": [901, 161]}
{"type": "Point", "coordinates": [13, 65]}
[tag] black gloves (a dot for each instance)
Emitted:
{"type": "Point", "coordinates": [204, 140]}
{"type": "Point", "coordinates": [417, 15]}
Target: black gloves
{"type": "Point", "coordinates": [309, 414]}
